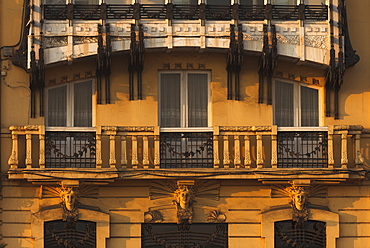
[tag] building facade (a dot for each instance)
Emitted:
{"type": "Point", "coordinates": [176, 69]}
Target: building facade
{"type": "Point", "coordinates": [185, 123]}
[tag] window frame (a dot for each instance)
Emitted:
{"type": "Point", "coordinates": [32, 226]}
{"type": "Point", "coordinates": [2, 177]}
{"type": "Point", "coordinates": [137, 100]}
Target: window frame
{"type": "Point", "coordinates": [297, 106]}
{"type": "Point", "coordinates": [70, 106]}
{"type": "Point", "coordinates": [184, 99]}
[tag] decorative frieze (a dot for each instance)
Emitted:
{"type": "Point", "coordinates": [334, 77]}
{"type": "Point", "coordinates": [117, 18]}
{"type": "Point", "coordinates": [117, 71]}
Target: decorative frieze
{"type": "Point", "coordinates": [317, 41]}
{"type": "Point", "coordinates": [55, 41]}
{"type": "Point", "coordinates": [84, 39]}
{"type": "Point", "coordinates": [287, 39]}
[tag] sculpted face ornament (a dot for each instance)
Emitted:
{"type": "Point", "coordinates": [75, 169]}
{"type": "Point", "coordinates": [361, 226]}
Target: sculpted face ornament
{"type": "Point", "coordinates": [184, 203]}
{"type": "Point", "coordinates": [69, 198]}
{"type": "Point", "coordinates": [299, 198]}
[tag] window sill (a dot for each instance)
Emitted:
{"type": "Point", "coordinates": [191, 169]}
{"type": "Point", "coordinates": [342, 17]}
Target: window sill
{"type": "Point", "coordinates": [190, 129]}
{"type": "Point", "coordinates": [302, 129]}
{"type": "Point", "coordinates": [70, 129]}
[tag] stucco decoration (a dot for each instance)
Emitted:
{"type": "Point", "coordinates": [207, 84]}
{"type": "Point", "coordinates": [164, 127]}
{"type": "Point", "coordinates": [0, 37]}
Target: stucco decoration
{"type": "Point", "coordinates": [154, 216]}
{"type": "Point", "coordinates": [184, 200]}
{"type": "Point", "coordinates": [216, 216]}
{"type": "Point", "coordinates": [184, 194]}
{"type": "Point", "coordinates": [70, 198]}
{"type": "Point", "coordinates": [299, 196]}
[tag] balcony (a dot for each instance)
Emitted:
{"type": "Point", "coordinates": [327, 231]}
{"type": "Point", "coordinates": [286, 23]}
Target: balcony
{"type": "Point", "coordinates": [228, 152]}
{"type": "Point", "coordinates": [71, 31]}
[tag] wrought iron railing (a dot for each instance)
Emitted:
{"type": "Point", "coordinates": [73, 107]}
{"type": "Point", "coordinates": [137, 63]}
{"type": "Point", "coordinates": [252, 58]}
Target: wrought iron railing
{"type": "Point", "coordinates": [186, 150]}
{"type": "Point", "coordinates": [254, 12]}
{"type": "Point", "coordinates": [87, 12]}
{"type": "Point", "coordinates": [302, 149]}
{"type": "Point", "coordinates": [218, 12]}
{"type": "Point", "coordinates": [186, 12]}
{"type": "Point", "coordinates": [120, 12]}
{"type": "Point", "coordinates": [55, 12]}
{"type": "Point", "coordinates": [316, 12]}
{"type": "Point", "coordinates": [70, 149]}
{"type": "Point", "coordinates": [153, 11]}
{"type": "Point", "coordinates": [283, 12]}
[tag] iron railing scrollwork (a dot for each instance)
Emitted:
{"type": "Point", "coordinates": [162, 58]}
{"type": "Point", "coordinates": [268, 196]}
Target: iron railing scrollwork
{"type": "Point", "coordinates": [186, 150]}
{"type": "Point", "coordinates": [302, 149]}
{"type": "Point", "coordinates": [70, 149]}
{"type": "Point", "coordinates": [69, 234]}
{"type": "Point", "coordinates": [289, 234]}
{"type": "Point", "coordinates": [185, 12]}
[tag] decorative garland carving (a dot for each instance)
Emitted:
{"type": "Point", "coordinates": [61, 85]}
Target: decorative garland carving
{"type": "Point", "coordinates": [245, 128]}
{"type": "Point", "coordinates": [317, 41]}
{"type": "Point", "coordinates": [287, 39]}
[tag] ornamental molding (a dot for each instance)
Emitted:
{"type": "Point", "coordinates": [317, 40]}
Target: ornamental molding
{"type": "Point", "coordinates": [245, 128]}
{"type": "Point", "coordinates": [25, 128]}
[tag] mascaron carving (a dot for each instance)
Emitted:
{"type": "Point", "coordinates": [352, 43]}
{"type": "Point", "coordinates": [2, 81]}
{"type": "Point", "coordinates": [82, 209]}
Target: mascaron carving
{"type": "Point", "coordinates": [184, 199]}
{"type": "Point", "coordinates": [299, 196]}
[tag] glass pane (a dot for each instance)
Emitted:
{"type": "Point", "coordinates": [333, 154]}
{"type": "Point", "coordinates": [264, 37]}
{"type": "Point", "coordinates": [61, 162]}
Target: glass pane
{"type": "Point", "coordinates": [284, 104]}
{"type": "Point", "coordinates": [56, 2]}
{"type": "Point", "coordinates": [170, 100]}
{"type": "Point", "coordinates": [284, 2]}
{"type": "Point", "coordinates": [309, 107]}
{"type": "Point", "coordinates": [251, 2]}
{"type": "Point", "coordinates": [57, 107]}
{"type": "Point", "coordinates": [189, 2]}
{"type": "Point", "coordinates": [152, 1]}
{"type": "Point", "coordinates": [86, 2]}
{"type": "Point", "coordinates": [218, 2]}
{"type": "Point", "coordinates": [119, 1]}
{"type": "Point", "coordinates": [314, 2]}
{"type": "Point", "coordinates": [83, 104]}
{"type": "Point", "coordinates": [197, 100]}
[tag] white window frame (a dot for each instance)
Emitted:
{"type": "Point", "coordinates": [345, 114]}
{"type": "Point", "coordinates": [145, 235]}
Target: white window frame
{"type": "Point", "coordinates": [70, 107]}
{"type": "Point", "coordinates": [297, 106]}
{"type": "Point", "coordinates": [184, 98]}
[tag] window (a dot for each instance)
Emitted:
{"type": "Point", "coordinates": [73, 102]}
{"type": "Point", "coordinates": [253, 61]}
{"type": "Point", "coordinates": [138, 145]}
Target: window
{"type": "Point", "coordinates": [251, 2]}
{"type": "Point", "coordinates": [284, 2]}
{"type": "Point", "coordinates": [86, 2]}
{"type": "Point", "coordinates": [184, 99]}
{"type": "Point", "coordinates": [188, 2]}
{"type": "Point", "coordinates": [70, 105]}
{"type": "Point", "coordinates": [296, 105]}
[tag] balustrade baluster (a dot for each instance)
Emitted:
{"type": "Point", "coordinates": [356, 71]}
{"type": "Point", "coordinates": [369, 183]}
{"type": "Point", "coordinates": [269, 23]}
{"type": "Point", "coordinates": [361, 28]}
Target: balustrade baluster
{"type": "Point", "coordinates": [226, 152]}
{"type": "Point", "coordinates": [259, 151]}
{"type": "Point", "coordinates": [344, 158]}
{"type": "Point", "coordinates": [13, 160]}
{"type": "Point", "coordinates": [112, 152]}
{"type": "Point", "coordinates": [28, 150]}
{"type": "Point", "coordinates": [135, 161]}
{"type": "Point", "coordinates": [237, 160]}
{"type": "Point", "coordinates": [145, 151]}
{"type": "Point", "coordinates": [123, 151]}
{"type": "Point", "coordinates": [247, 151]}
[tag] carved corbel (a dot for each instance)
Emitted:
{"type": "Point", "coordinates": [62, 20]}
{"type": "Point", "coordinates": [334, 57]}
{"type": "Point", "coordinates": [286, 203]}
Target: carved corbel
{"type": "Point", "coordinates": [184, 200]}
